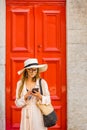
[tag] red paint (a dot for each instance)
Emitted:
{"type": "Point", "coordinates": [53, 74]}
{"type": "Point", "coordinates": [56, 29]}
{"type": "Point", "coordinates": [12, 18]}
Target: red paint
{"type": "Point", "coordinates": [36, 31]}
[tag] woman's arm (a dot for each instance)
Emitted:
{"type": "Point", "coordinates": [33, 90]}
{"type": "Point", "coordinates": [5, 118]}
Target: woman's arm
{"type": "Point", "coordinates": [46, 94]}
{"type": "Point", "coordinates": [20, 102]}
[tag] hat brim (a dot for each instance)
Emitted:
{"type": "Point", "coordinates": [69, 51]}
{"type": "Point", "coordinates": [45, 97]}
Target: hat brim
{"type": "Point", "coordinates": [42, 68]}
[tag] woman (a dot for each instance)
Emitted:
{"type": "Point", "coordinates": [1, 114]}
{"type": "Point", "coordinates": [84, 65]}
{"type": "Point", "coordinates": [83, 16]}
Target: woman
{"type": "Point", "coordinates": [31, 116]}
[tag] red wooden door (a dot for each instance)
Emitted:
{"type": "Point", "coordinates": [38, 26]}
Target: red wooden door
{"type": "Point", "coordinates": [36, 31]}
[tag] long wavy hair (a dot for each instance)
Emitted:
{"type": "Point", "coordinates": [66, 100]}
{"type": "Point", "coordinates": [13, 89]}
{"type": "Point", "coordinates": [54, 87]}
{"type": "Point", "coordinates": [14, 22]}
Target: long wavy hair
{"type": "Point", "coordinates": [24, 78]}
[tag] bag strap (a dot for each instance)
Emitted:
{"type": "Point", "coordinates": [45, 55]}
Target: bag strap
{"type": "Point", "coordinates": [41, 91]}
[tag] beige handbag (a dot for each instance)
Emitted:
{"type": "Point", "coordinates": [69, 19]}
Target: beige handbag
{"type": "Point", "coordinates": [49, 115]}
{"type": "Point", "coordinates": [45, 109]}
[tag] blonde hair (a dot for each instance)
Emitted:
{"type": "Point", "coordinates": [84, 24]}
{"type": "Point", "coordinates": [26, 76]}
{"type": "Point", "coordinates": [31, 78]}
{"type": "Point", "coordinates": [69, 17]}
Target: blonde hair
{"type": "Point", "coordinates": [24, 78]}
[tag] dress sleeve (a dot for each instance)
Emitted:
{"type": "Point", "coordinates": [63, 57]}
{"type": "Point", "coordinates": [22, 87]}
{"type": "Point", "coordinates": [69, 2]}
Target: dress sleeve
{"type": "Point", "coordinates": [46, 94]}
{"type": "Point", "coordinates": [20, 102]}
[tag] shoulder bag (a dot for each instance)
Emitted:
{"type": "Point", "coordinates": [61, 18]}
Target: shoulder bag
{"type": "Point", "coordinates": [49, 115]}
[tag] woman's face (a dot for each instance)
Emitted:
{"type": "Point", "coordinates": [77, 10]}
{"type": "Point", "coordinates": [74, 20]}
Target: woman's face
{"type": "Point", "coordinates": [32, 72]}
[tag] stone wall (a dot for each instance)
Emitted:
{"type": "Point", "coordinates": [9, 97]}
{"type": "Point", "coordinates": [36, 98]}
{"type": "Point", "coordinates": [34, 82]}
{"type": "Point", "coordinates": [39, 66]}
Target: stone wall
{"type": "Point", "coordinates": [77, 64]}
{"type": "Point", "coordinates": [2, 64]}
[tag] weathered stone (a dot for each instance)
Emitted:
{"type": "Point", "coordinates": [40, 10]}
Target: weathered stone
{"type": "Point", "coordinates": [77, 36]}
{"type": "Point", "coordinates": [2, 64]}
{"type": "Point", "coordinates": [2, 23]}
{"type": "Point", "coordinates": [2, 55]}
{"type": "Point", "coordinates": [77, 64]}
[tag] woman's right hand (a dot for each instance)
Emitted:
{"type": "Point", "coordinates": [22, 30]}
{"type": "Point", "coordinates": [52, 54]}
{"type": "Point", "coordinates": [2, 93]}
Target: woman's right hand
{"type": "Point", "coordinates": [27, 95]}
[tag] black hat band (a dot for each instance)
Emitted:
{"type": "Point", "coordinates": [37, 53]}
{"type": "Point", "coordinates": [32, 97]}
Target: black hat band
{"type": "Point", "coordinates": [31, 65]}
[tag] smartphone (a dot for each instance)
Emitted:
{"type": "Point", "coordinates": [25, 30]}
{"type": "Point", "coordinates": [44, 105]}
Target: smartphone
{"type": "Point", "coordinates": [35, 89]}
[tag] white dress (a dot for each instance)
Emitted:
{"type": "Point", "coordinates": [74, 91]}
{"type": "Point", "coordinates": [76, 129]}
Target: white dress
{"type": "Point", "coordinates": [31, 116]}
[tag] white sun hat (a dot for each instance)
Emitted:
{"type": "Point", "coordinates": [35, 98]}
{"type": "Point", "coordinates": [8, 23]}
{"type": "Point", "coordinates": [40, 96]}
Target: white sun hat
{"type": "Point", "coordinates": [33, 63]}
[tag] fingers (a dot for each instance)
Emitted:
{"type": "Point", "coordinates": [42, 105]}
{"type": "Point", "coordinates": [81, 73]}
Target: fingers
{"type": "Point", "coordinates": [37, 94]}
{"type": "Point", "coordinates": [30, 92]}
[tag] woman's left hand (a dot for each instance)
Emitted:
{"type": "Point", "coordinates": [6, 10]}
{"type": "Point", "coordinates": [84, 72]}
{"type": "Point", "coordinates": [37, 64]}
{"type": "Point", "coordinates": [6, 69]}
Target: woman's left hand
{"type": "Point", "coordinates": [37, 94]}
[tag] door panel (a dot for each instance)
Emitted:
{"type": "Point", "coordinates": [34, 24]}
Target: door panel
{"type": "Point", "coordinates": [19, 46]}
{"type": "Point", "coordinates": [36, 31]}
{"type": "Point", "coordinates": [50, 40]}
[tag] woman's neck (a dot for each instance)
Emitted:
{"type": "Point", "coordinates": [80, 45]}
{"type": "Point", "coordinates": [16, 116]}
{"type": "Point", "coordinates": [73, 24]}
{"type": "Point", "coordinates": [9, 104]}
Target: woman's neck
{"type": "Point", "coordinates": [30, 84]}
{"type": "Point", "coordinates": [29, 79]}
